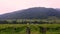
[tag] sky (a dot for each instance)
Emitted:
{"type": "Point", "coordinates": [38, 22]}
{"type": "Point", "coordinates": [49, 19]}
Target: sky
{"type": "Point", "coordinates": [7, 6]}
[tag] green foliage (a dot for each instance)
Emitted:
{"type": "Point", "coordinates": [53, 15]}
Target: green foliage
{"type": "Point", "coordinates": [31, 21]}
{"type": "Point", "coordinates": [34, 28]}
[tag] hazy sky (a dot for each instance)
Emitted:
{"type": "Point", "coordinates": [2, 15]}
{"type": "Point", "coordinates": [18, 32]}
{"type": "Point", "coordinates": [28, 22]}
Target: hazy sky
{"type": "Point", "coordinates": [12, 5]}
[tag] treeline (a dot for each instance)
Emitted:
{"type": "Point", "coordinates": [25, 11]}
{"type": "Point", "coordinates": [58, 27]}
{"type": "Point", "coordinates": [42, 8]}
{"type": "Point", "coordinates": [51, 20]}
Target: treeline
{"type": "Point", "coordinates": [23, 21]}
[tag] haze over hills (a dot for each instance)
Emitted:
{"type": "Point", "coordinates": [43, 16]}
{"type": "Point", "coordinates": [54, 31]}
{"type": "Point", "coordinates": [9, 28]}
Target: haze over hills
{"type": "Point", "coordinates": [32, 13]}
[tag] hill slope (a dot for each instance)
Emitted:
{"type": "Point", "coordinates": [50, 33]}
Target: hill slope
{"type": "Point", "coordinates": [31, 13]}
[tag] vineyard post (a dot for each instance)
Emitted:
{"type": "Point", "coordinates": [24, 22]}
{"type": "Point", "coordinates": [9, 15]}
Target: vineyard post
{"type": "Point", "coordinates": [43, 30]}
{"type": "Point", "coordinates": [28, 28]}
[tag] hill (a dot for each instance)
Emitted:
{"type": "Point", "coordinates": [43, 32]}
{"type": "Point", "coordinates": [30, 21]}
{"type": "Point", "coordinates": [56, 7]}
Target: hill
{"type": "Point", "coordinates": [32, 13]}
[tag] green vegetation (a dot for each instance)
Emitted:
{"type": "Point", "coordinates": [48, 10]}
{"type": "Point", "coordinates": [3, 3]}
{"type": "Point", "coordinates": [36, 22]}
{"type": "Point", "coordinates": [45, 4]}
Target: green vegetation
{"type": "Point", "coordinates": [12, 29]}
{"type": "Point", "coordinates": [31, 21]}
{"type": "Point", "coordinates": [34, 28]}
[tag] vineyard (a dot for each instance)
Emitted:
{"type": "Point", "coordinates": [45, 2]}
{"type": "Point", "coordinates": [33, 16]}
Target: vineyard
{"type": "Point", "coordinates": [33, 28]}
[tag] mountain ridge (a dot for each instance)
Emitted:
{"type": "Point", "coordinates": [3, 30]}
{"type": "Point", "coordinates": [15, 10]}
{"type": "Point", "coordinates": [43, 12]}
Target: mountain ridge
{"type": "Point", "coordinates": [32, 13]}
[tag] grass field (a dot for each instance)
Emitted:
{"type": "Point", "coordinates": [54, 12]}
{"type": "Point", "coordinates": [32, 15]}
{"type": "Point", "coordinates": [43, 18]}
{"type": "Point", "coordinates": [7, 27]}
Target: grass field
{"type": "Point", "coordinates": [34, 28]}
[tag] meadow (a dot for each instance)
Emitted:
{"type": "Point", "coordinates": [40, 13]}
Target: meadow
{"type": "Point", "coordinates": [34, 28]}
